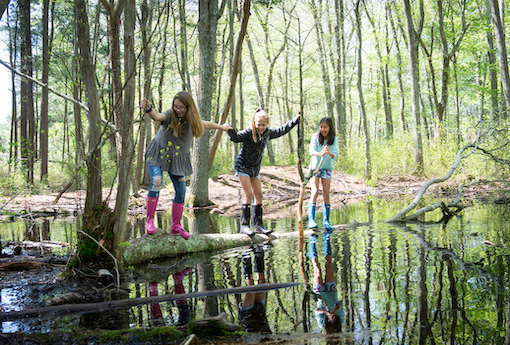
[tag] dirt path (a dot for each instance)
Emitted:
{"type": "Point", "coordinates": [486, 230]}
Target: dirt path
{"type": "Point", "coordinates": [281, 186]}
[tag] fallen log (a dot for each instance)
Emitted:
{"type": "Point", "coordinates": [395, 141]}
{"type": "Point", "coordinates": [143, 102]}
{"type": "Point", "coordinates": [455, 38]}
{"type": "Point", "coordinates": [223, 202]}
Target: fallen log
{"type": "Point", "coordinates": [162, 245]}
{"type": "Point", "coordinates": [127, 303]}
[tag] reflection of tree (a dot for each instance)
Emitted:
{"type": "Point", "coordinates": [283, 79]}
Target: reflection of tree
{"type": "Point", "coordinates": [424, 330]}
{"type": "Point", "coordinates": [367, 254]}
{"type": "Point", "coordinates": [346, 279]}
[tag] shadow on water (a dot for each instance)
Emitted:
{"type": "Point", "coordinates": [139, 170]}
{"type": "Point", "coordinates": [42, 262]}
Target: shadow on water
{"type": "Point", "coordinates": [377, 283]}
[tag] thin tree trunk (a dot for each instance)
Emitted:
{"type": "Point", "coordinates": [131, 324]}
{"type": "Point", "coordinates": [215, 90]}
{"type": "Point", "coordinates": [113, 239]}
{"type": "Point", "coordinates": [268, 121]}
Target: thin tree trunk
{"type": "Point", "coordinates": [415, 87]}
{"type": "Point", "coordinates": [14, 143]}
{"type": "Point", "coordinates": [499, 32]}
{"type": "Point", "coordinates": [234, 73]}
{"type": "Point", "coordinates": [403, 123]}
{"type": "Point", "coordinates": [363, 115]}
{"type": "Point", "coordinates": [326, 82]}
{"type": "Point", "coordinates": [128, 149]}
{"type": "Point", "coordinates": [114, 14]}
{"type": "Point", "coordinates": [44, 93]}
{"type": "Point", "coordinates": [341, 127]}
{"type": "Point", "coordinates": [27, 100]}
{"type": "Point", "coordinates": [493, 71]}
{"type": "Point", "coordinates": [94, 185]}
{"type": "Point", "coordinates": [209, 14]}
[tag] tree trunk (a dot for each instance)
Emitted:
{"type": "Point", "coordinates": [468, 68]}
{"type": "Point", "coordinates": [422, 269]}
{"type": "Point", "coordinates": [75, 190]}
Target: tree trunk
{"type": "Point", "coordinates": [94, 185]}
{"type": "Point", "coordinates": [499, 32]}
{"type": "Point", "coordinates": [363, 115]}
{"type": "Point", "coordinates": [27, 98]}
{"type": "Point", "coordinates": [403, 123]}
{"type": "Point", "coordinates": [326, 82]}
{"type": "Point", "coordinates": [493, 71]}
{"type": "Point", "coordinates": [44, 93]}
{"type": "Point", "coordinates": [340, 77]}
{"type": "Point", "coordinates": [233, 80]}
{"type": "Point", "coordinates": [209, 14]}
{"type": "Point", "coordinates": [14, 142]}
{"type": "Point", "coordinates": [127, 154]}
{"type": "Point", "coordinates": [114, 21]}
{"type": "Point", "coordinates": [145, 29]}
{"type": "Point", "coordinates": [415, 87]}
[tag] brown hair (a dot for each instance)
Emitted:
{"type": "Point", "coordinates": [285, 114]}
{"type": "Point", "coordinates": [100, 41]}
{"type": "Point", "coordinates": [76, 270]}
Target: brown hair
{"type": "Point", "coordinates": [192, 116]}
{"type": "Point", "coordinates": [263, 115]}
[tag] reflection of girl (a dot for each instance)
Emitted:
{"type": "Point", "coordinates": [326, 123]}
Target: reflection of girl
{"type": "Point", "coordinates": [329, 312]}
{"type": "Point", "coordinates": [252, 310]}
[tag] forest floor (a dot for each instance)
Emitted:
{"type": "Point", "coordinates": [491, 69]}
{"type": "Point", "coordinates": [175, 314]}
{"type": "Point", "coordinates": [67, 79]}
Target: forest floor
{"type": "Point", "coordinates": [281, 188]}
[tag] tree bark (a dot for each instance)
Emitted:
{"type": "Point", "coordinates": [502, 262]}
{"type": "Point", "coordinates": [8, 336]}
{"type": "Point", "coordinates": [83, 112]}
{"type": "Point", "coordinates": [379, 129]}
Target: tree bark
{"type": "Point", "coordinates": [499, 32]}
{"type": "Point", "coordinates": [209, 14]}
{"type": "Point", "coordinates": [94, 185]}
{"type": "Point", "coordinates": [412, 40]}
{"type": "Point", "coordinates": [44, 93]}
{"type": "Point", "coordinates": [362, 112]}
{"type": "Point", "coordinates": [233, 80]}
{"type": "Point", "coordinates": [27, 99]}
{"type": "Point", "coordinates": [127, 153]}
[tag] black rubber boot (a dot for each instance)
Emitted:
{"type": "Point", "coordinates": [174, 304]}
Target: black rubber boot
{"type": "Point", "coordinates": [258, 224]}
{"type": "Point", "coordinates": [258, 265]}
{"type": "Point", "coordinates": [247, 268]}
{"type": "Point", "coordinates": [245, 220]}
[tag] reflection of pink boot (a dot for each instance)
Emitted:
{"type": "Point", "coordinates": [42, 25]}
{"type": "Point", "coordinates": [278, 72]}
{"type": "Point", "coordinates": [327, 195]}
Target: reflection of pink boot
{"type": "Point", "coordinates": [176, 227]}
{"type": "Point", "coordinates": [152, 203]}
{"type": "Point", "coordinates": [155, 308]}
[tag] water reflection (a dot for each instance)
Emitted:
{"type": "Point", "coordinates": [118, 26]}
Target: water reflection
{"type": "Point", "coordinates": [328, 311]}
{"type": "Point", "coordinates": [252, 309]}
{"type": "Point", "coordinates": [434, 283]}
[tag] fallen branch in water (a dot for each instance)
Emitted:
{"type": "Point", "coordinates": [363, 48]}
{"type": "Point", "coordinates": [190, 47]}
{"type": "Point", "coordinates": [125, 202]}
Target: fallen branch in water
{"type": "Point", "coordinates": [126, 303]}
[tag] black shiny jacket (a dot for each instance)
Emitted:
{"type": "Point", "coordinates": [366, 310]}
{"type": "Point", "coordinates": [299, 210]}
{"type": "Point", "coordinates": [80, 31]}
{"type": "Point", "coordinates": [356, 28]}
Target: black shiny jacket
{"type": "Point", "coordinates": [250, 156]}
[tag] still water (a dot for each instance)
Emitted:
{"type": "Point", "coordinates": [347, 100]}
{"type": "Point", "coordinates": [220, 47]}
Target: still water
{"type": "Point", "coordinates": [396, 284]}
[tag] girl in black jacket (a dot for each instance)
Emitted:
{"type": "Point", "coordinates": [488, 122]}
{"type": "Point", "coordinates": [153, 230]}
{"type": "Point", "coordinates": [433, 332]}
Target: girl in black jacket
{"type": "Point", "coordinates": [247, 166]}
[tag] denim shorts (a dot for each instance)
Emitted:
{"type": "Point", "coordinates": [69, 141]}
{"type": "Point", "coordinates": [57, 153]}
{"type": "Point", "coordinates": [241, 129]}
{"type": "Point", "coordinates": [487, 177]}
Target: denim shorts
{"type": "Point", "coordinates": [325, 287]}
{"type": "Point", "coordinates": [323, 173]}
{"type": "Point", "coordinates": [237, 173]}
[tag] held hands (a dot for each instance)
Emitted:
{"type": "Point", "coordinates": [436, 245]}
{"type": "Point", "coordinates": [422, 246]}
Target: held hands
{"type": "Point", "coordinates": [226, 127]}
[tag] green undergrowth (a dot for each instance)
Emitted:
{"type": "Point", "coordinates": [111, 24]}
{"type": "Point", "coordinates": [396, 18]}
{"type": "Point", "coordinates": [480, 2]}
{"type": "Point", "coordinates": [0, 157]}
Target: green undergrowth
{"type": "Point", "coordinates": [156, 335]}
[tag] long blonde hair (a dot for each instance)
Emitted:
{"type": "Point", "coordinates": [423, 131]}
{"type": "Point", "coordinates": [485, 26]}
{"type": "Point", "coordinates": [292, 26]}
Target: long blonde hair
{"type": "Point", "coordinates": [263, 115]}
{"type": "Point", "coordinates": [192, 116]}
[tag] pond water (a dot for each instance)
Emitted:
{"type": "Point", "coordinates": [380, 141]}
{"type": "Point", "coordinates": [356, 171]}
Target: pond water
{"type": "Point", "coordinates": [432, 282]}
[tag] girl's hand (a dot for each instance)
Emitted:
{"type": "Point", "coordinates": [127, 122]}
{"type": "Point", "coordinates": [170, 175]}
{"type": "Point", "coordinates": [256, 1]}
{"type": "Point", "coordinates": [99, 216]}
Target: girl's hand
{"type": "Point", "coordinates": [299, 116]}
{"type": "Point", "coordinates": [226, 127]}
{"type": "Point", "coordinates": [146, 105]}
{"type": "Point", "coordinates": [325, 151]}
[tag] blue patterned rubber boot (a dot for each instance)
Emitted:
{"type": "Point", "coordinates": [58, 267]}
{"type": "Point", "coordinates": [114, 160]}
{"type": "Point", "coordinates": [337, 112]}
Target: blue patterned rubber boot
{"type": "Point", "coordinates": [311, 216]}
{"type": "Point", "coordinates": [313, 246]}
{"type": "Point", "coordinates": [325, 213]}
{"type": "Point", "coordinates": [327, 243]}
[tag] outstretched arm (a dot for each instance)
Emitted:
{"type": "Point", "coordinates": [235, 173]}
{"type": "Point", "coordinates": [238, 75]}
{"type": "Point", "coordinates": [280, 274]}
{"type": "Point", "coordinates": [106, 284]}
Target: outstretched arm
{"type": "Point", "coordinates": [211, 125]}
{"type": "Point", "coordinates": [147, 107]}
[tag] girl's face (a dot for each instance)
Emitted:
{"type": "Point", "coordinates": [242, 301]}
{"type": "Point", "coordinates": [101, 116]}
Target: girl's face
{"type": "Point", "coordinates": [260, 124]}
{"type": "Point", "coordinates": [324, 129]}
{"type": "Point", "coordinates": [179, 108]}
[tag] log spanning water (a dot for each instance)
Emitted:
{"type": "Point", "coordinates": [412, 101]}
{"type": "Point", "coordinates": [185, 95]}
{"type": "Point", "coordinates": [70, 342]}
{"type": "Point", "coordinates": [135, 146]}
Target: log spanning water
{"type": "Point", "coordinates": [127, 303]}
{"type": "Point", "coordinates": [162, 245]}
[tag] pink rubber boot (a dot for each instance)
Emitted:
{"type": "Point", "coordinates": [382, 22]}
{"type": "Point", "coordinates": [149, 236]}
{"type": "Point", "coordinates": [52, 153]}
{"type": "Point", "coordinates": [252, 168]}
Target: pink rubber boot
{"type": "Point", "coordinates": [176, 227]}
{"type": "Point", "coordinates": [151, 210]}
{"type": "Point", "coordinates": [155, 308]}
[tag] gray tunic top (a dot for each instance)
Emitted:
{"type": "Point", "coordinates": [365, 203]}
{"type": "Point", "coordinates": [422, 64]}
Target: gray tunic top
{"type": "Point", "coordinates": [171, 153]}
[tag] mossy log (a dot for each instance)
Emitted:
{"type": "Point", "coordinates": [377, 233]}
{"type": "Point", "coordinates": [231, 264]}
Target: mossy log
{"type": "Point", "coordinates": [163, 245]}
